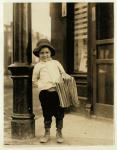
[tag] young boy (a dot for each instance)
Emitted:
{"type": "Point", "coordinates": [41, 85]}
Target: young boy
{"type": "Point", "coordinates": [45, 74]}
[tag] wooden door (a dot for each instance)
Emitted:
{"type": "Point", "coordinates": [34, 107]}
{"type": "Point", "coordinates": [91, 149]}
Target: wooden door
{"type": "Point", "coordinates": [104, 53]}
{"type": "Point", "coordinates": [101, 43]}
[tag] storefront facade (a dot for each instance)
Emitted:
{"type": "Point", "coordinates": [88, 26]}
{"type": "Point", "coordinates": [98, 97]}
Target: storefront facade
{"type": "Point", "coordinates": [83, 34]}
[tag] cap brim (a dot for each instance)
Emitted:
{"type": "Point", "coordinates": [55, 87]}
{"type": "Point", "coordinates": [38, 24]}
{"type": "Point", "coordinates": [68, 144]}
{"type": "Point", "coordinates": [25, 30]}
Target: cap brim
{"type": "Point", "coordinates": [37, 49]}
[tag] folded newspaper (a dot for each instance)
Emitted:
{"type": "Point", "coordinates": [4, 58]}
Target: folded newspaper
{"type": "Point", "coordinates": [67, 91]}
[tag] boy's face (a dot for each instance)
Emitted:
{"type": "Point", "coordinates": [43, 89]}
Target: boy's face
{"type": "Point", "coordinates": [45, 54]}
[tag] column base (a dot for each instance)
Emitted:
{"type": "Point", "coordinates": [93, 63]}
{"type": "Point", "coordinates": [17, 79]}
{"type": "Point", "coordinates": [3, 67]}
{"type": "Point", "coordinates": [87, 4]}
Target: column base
{"type": "Point", "coordinates": [23, 129]}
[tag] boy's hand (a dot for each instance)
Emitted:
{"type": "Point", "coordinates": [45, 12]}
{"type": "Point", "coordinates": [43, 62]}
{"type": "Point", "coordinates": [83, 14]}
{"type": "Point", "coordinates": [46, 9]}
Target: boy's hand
{"type": "Point", "coordinates": [66, 76]}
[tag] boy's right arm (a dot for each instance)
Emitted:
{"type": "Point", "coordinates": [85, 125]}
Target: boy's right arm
{"type": "Point", "coordinates": [35, 76]}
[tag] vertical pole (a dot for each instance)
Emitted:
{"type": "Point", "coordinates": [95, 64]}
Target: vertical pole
{"type": "Point", "coordinates": [23, 123]}
{"type": "Point", "coordinates": [70, 37]}
{"type": "Point", "coordinates": [92, 55]}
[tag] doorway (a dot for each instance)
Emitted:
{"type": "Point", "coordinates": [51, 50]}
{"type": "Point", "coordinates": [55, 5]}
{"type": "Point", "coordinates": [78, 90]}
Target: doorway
{"type": "Point", "coordinates": [101, 51]}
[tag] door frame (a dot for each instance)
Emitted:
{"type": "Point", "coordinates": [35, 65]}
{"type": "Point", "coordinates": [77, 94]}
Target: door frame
{"type": "Point", "coordinates": [92, 55]}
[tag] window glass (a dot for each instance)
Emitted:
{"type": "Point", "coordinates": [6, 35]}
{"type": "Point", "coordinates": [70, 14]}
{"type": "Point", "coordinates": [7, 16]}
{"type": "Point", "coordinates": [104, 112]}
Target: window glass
{"type": "Point", "coordinates": [105, 84]}
{"type": "Point", "coordinates": [104, 15]}
{"type": "Point", "coordinates": [80, 37]}
{"type": "Point", "coordinates": [105, 51]}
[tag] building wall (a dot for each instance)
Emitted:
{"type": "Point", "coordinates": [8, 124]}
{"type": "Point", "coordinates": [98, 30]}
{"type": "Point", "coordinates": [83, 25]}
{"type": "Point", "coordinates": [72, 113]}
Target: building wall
{"type": "Point", "coordinates": [58, 32]}
{"type": "Point", "coordinates": [63, 39]}
{"type": "Point", "coordinates": [8, 47]}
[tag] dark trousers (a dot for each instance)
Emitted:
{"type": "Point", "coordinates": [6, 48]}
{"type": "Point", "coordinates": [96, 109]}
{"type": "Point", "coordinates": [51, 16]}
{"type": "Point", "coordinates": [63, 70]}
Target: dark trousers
{"type": "Point", "coordinates": [51, 107]}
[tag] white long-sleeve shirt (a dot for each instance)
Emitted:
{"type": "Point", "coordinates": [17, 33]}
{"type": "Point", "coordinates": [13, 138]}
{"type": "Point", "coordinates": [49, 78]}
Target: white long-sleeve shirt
{"type": "Point", "coordinates": [46, 74]}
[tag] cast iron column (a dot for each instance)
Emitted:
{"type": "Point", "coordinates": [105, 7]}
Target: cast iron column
{"type": "Point", "coordinates": [23, 123]}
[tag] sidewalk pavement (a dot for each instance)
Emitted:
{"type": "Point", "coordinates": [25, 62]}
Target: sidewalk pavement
{"type": "Point", "coordinates": [78, 130]}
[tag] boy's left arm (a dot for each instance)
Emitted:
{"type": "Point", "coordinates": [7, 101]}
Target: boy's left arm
{"type": "Point", "coordinates": [63, 73]}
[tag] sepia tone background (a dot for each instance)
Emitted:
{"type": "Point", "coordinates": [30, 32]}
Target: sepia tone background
{"type": "Point", "coordinates": [83, 36]}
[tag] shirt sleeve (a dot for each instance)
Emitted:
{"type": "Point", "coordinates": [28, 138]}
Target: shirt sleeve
{"type": "Point", "coordinates": [35, 75]}
{"type": "Point", "coordinates": [60, 67]}
{"type": "Point", "coordinates": [62, 71]}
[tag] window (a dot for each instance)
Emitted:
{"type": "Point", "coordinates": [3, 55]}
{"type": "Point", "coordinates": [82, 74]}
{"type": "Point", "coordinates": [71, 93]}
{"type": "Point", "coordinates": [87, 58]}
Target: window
{"type": "Point", "coordinates": [80, 37]}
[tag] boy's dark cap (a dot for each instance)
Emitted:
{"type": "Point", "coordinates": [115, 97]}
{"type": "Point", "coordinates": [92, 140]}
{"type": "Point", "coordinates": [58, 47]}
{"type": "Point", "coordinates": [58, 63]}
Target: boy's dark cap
{"type": "Point", "coordinates": [43, 43]}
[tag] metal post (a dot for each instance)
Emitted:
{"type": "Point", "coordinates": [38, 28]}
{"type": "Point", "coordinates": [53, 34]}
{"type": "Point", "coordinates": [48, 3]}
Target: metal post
{"type": "Point", "coordinates": [23, 123]}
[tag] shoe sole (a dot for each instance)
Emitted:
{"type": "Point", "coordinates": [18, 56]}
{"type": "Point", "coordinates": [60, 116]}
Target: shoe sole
{"type": "Point", "coordinates": [60, 141]}
{"type": "Point", "coordinates": [45, 141]}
